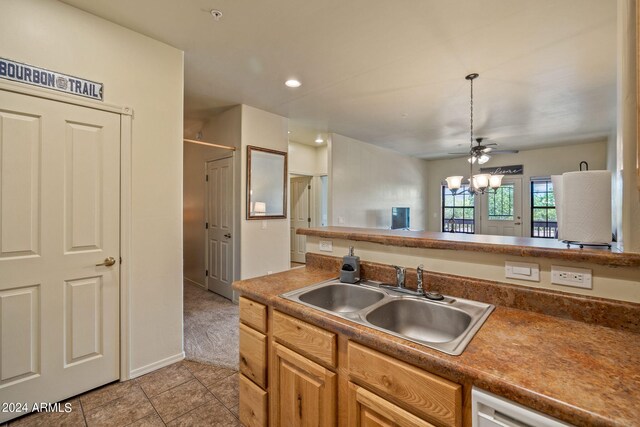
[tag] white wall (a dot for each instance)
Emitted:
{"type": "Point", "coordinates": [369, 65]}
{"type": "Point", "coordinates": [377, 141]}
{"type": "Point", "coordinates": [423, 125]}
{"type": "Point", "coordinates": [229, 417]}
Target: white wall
{"type": "Point", "coordinates": [194, 208]}
{"type": "Point", "coordinates": [264, 244]}
{"type": "Point", "coordinates": [540, 162]}
{"type": "Point", "coordinates": [322, 159]}
{"type": "Point", "coordinates": [224, 129]}
{"type": "Point", "coordinates": [260, 246]}
{"type": "Point", "coordinates": [147, 75]}
{"type": "Point", "coordinates": [302, 159]}
{"type": "Point", "coordinates": [366, 181]}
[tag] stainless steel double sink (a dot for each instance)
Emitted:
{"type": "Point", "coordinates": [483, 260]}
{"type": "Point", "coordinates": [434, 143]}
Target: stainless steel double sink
{"type": "Point", "coordinates": [447, 325]}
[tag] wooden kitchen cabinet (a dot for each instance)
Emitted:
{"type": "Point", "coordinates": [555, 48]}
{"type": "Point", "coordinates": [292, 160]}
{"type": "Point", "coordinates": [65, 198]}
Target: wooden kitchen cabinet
{"type": "Point", "coordinates": [253, 409]}
{"type": "Point", "coordinates": [302, 392]}
{"type": "Point", "coordinates": [366, 409]}
{"type": "Point", "coordinates": [253, 355]}
{"type": "Point", "coordinates": [434, 398]}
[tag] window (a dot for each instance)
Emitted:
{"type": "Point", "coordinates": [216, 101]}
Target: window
{"type": "Point", "coordinates": [544, 222]}
{"type": "Point", "coordinates": [501, 203]}
{"type": "Point", "coordinates": [458, 211]}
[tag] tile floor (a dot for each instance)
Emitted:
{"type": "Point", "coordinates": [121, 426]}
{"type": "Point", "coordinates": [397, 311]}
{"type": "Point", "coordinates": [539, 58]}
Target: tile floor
{"type": "Point", "coordinates": [186, 393]}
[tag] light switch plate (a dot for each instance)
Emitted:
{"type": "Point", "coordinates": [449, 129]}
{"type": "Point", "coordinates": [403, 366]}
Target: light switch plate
{"type": "Point", "coordinates": [522, 271]}
{"type": "Point", "coordinates": [326, 245]}
{"type": "Point", "coordinates": [571, 276]}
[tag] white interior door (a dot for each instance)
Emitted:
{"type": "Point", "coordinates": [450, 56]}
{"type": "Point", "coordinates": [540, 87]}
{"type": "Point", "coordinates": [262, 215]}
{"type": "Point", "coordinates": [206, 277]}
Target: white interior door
{"type": "Point", "coordinates": [502, 210]}
{"type": "Point", "coordinates": [300, 215]}
{"type": "Point", "coordinates": [59, 217]}
{"type": "Point", "coordinates": [220, 226]}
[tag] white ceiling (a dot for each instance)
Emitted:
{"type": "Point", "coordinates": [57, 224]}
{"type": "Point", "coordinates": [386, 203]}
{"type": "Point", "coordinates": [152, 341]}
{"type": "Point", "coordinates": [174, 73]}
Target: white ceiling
{"type": "Point", "coordinates": [392, 72]}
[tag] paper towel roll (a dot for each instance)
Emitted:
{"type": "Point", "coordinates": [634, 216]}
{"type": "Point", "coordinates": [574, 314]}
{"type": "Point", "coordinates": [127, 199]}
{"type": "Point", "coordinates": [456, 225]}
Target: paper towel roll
{"type": "Point", "coordinates": [586, 206]}
{"type": "Point", "coordinates": [556, 180]}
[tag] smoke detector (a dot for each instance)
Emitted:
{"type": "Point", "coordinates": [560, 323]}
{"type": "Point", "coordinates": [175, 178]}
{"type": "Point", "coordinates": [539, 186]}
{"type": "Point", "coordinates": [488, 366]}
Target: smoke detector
{"type": "Point", "coordinates": [216, 14]}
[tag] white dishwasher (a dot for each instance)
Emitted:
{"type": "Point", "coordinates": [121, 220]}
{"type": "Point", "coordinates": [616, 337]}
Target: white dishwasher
{"type": "Point", "coordinates": [489, 410]}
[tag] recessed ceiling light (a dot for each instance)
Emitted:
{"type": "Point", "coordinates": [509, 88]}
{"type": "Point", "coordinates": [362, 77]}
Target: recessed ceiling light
{"type": "Point", "coordinates": [293, 83]}
{"type": "Point", "coordinates": [319, 140]}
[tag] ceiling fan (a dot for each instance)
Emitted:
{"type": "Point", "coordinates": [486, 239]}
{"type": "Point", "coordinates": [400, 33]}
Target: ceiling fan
{"type": "Point", "coordinates": [480, 152]}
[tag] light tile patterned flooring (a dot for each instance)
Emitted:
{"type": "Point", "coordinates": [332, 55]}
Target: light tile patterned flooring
{"type": "Point", "coordinates": [186, 393]}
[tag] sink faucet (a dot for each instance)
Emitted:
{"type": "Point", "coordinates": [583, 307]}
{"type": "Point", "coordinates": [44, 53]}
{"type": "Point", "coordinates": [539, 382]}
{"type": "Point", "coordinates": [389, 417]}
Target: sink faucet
{"type": "Point", "coordinates": [419, 273]}
{"type": "Point", "coordinates": [400, 273]}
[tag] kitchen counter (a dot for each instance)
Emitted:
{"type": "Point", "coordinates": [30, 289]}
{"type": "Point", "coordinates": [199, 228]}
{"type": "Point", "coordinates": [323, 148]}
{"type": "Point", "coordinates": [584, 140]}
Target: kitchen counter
{"type": "Point", "coordinates": [508, 245]}
{"type": "Point", "coordinates": [578, 372]}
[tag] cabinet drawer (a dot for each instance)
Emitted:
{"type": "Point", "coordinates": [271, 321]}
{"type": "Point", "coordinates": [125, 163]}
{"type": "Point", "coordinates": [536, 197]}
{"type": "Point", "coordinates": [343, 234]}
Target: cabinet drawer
{"type": "Point", "coordinates": [367, 409]}
{"type": "Point", "coordinates": [253, 355]}
{"type": "Point", "coordinates": [253, 314]}
{"type": "Point", "coordinates": [253, 404]}
{"type": "Point", "coordinates": [314, 342]}
{"type": "Point", "coordinates": [433, 398]}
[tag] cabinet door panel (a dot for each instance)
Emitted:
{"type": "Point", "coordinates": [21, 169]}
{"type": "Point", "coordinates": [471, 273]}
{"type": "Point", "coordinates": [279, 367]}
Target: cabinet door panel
{"type": "Point", "coordinates": [369, 410]}
{"type": "Point", "coordinates": [253, 404]}
{"type": "Point", "coordinates": [303, 393]}
{"type": "Point", "coordinates": [253, 355]}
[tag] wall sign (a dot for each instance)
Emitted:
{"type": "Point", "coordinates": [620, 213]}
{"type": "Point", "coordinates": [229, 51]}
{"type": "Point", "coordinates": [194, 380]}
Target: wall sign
{"type": "Point", "coordinates": [504, 170]}
{"type": "Point", "coordinates": [23, 73]}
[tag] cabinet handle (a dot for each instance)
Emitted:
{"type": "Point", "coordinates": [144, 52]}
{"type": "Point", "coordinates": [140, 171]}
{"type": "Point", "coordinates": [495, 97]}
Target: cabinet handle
{"type": "Point", "coordinates": [299, 405]}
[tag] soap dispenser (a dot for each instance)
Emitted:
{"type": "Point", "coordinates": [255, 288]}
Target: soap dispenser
{"type": "Point", "coordinates": [350, 271]}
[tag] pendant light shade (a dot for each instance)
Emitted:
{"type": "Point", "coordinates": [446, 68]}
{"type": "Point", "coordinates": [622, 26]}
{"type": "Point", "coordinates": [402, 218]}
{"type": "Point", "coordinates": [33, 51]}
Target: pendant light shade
{"type": "Point", "coordinates": [454, 183]}
{"type": "Point", "coordinates": [481, 182]}
{"type": "Point", "coordinates": [495, 181]}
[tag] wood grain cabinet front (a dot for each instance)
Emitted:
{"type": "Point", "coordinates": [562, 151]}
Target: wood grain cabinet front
{"type": "Point", "coordinates": [253, 404]}
{"type": "Point", "coordinates": [366, 409]}
{"type": "Point", "coordinates": [309, 340]}
{"type": "Point", "coordinates": [302, 392]}
{"type": "Point", "coordinates": [253, 355]}
{"type": "Point", "coordinates": [253, 314]}
{"type": "Point", "coordinates": [433, 398]}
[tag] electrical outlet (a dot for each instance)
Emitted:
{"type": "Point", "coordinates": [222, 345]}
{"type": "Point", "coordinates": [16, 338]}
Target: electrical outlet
{"type": "Point", "coordinates": [326, 245]}
{"type": "Point", "coordinates": [571, 276]}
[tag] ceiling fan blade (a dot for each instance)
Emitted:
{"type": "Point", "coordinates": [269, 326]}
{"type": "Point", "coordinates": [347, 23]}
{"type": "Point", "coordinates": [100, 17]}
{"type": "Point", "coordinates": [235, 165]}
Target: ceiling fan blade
{"type": "Point", "coordinates": [505, 151]}
{"type": "Point", "coordinates": [487, 150]}
{"type": "Point", "coordinates": [459, 154]}
{"type": "Point", "coordinates": [490, 143]}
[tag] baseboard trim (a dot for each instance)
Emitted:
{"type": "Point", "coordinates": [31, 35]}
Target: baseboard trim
{"type": "Point", "coordinates": [156, 365]}
{"type": "Point", "coordinates": [195, 283]}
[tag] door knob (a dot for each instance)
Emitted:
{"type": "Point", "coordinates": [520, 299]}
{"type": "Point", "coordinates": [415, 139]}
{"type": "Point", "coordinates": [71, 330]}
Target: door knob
{"type": "Point", "coordinates": [108, 262]}
{"type": "Point", "coordinates": [517, 223]}
{"type": "Point", "coordinates": [228, 235]}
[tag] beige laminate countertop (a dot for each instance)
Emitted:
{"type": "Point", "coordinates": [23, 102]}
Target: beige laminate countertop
{"type": "Point", "coordinates": [584, 374]}
{"type": "Point", "coordinates": [509, 245]}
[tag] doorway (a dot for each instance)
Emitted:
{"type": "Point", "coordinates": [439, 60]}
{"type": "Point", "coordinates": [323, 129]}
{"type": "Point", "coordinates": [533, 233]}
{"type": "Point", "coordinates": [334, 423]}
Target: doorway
{"type": "Point", "coordinates": [220, 226]}
{"type": "Point", "coordinates": [300, 199]}
{"type": "Point", "coordinates": [59, 249]}
{"type": "Point", "coordinates": [501, 211]}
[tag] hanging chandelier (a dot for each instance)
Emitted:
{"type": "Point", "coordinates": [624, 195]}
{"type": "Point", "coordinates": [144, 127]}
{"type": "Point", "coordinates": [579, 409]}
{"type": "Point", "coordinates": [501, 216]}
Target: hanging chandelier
{"type": "Point", "coordinates": [479, 183]}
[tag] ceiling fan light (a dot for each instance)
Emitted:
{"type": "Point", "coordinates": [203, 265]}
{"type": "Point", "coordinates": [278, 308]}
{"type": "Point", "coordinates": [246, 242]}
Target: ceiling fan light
{"type": "Point", "coordinates": [471, 159]}
{"type": "Point", "coordinates": [483, 159]}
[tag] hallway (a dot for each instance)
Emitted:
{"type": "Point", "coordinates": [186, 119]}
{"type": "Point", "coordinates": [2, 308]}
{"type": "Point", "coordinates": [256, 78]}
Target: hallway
{"type": "Point", "coordinates": [210, 328]}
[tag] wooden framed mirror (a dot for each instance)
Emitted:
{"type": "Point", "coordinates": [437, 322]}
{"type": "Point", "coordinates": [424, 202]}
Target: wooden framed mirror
{"type": "Point", "coordinates": [266, 183]}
